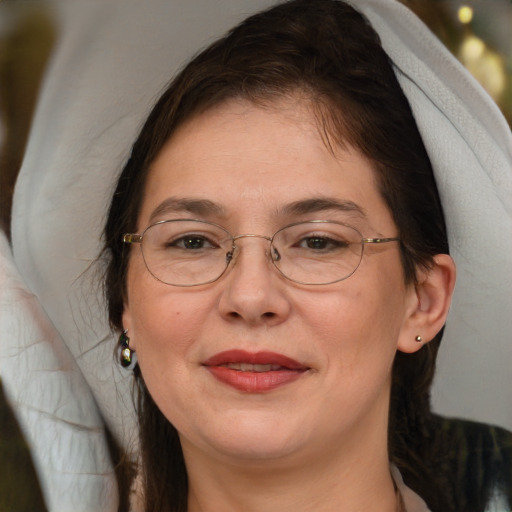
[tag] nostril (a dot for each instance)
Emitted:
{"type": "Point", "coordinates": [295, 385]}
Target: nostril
{"type": "Point", "coordinates": [269, 314]}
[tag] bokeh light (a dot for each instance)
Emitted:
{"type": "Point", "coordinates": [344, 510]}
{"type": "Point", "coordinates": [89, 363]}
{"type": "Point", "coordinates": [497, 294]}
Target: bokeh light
{"type": "Point", "coordinates": [485, 65]}
{"type": "Point", "coordinates": [465, 14]}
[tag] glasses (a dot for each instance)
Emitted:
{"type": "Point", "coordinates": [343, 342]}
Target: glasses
{"type": "Point", "coordinates": [189, 252]}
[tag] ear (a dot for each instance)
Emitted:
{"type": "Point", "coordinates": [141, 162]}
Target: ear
{"type": "Point", "coordinates": [428, 304]}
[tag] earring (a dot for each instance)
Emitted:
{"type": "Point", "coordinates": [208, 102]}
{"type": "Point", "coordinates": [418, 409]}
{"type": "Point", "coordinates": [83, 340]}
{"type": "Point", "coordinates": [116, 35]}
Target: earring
{"type": "Point", "coordinates": [419, 339]}
{"type": "Point", "coordinates": [125, 357]}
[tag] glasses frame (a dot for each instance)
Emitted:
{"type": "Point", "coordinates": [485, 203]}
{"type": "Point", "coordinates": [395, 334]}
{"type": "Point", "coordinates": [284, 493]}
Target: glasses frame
{"type": "Point", "coordinates": [136, 238]}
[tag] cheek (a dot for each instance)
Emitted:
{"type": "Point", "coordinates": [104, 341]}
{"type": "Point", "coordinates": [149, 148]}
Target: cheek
{"type": "Point", "coordinates": [167, 323]}
{"type": "Point", "coordinates": [357, 325]}
{"type": "Point", "coordinates": [163, 321]}
{"type": "Point", "coordinates": [167, 326]}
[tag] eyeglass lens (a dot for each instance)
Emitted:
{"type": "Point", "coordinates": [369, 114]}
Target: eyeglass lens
{"type": "Point", "coordinates": [189, 252]}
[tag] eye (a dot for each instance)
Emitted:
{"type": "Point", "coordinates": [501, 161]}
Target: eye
{"type": "Point", "coordinates": [192, 242]}
{"type": "Point", "coordinates": [322, 243]}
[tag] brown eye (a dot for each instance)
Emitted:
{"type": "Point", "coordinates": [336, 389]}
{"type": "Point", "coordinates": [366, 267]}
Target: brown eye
{"type": "Point", "coordinates": [318, 243]}
{"type": "Point", "coordinates": [192, 242]}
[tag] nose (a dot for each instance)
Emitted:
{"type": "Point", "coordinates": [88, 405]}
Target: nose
{"type": "Point", "coordinates": [254, 292]}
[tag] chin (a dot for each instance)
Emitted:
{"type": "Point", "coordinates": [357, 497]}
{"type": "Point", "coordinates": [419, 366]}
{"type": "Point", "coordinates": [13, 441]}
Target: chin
{"type": "Point", "coordinates": [252, 453]}
{"type": "Point", "coordinates": [251, 439]}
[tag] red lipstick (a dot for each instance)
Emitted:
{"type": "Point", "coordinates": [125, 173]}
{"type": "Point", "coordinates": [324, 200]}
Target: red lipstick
{"type": "Point", "coordinates": [254, 372]}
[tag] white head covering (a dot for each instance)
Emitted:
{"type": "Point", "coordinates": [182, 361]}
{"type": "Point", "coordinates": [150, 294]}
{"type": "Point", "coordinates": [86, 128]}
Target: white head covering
{"type": "Point", "coordinates": [112, 60]}
{"type": "Point", "coordinates": [470, 146]}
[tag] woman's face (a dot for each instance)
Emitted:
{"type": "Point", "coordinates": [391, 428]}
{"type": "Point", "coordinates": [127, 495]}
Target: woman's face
{"type": "Point", "coordinates": [255, 170]}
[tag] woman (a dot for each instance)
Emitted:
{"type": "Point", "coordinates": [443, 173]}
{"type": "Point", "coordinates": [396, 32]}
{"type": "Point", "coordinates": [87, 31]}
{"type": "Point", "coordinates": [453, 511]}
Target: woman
{"type": "Point", "coordinates": [279, 263]}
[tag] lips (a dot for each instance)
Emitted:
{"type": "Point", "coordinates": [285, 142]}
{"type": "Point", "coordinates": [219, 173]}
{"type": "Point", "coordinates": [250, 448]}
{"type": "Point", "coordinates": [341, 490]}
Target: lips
{"type": "Point", "coordinates": [254, 372]}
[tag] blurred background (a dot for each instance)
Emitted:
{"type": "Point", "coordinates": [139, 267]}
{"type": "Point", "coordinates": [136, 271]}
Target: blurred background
{"type": "Point", "coordinates": [477, 32]}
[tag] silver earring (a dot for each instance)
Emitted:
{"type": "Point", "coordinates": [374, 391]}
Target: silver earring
{"type": "Point", "coordinates": [419, 339]}
{"type": "Point", "coordinates": [125, 357]}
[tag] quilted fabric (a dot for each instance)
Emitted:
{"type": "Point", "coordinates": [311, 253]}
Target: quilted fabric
{"type": "Point", "coordinates": [52, 401]}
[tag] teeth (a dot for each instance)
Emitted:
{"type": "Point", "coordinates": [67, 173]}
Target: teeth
{"type": "Point", "coordinates": [247, 367]}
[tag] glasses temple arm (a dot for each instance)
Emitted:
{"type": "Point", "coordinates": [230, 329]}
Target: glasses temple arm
{"type": "Point", "coordinates": [132, 238]}
{"type": "Point", "coordinates": [379, 240]}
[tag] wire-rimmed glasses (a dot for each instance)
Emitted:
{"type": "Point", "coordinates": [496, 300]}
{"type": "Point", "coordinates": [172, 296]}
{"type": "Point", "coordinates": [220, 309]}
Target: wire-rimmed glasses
{"type": "Point", "coordinates": [191, 252]}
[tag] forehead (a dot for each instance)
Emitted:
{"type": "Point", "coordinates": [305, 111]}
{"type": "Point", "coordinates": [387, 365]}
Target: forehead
{"type": "Point", "coordinates": [254, 160]}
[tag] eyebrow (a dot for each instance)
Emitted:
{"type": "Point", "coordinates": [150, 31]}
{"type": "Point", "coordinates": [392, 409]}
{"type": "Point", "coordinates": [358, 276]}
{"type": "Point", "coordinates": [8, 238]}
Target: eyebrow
{"type": "Point", "coordinates": [205, 207]}
{"type": "Point", "coordinates": [319, 204]}
{"type": "Point", "coordinates": [201, 207]}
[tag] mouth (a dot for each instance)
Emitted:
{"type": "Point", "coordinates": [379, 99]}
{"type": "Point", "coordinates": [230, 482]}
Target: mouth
{"type": "Point", "coordinates": [248, 367]}
{"type": "Point", "coordinates": [254, 372]}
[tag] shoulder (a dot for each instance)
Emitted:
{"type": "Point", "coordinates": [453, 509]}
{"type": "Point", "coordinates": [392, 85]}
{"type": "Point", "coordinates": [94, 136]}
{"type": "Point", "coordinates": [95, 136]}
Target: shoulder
{"type": "Point", "coordinates": [478, 460]}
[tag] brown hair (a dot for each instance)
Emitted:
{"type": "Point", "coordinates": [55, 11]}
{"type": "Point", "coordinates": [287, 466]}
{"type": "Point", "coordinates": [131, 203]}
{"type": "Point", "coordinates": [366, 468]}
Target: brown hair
{"type": "Point", "coordinates": [328, 52]}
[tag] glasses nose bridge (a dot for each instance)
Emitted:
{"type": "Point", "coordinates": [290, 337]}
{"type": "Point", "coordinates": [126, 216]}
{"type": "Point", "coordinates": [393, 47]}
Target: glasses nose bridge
{"type": "Point", "coordinates": [251, 235]}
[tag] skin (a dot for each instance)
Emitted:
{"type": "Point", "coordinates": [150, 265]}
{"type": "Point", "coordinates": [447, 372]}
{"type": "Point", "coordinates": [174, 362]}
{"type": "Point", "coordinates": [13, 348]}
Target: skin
{"type": "Point", "coordinates": [320, 442]}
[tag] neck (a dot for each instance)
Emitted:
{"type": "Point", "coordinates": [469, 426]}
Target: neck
{"type": "Point", "coordinates": [352, 479]}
